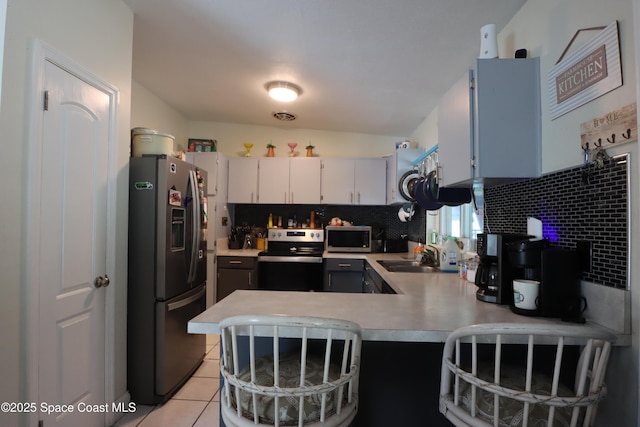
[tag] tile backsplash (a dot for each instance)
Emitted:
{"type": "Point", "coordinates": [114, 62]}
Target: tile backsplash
{"type": "Point", "coordinates": [379, 217]}
{"type": "Point", "coordinates": [574, 205]}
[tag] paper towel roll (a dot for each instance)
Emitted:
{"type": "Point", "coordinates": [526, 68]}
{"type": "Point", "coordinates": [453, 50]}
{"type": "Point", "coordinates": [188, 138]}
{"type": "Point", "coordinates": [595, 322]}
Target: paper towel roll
{"type": "Point", "coordinates": [534, 227]}
{"type": "Point", "coordinates": [488, 42]}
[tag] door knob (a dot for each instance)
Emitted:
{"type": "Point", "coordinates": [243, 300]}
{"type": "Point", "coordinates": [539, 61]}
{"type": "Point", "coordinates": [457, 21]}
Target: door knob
{"type": "Point", "coordinates": [100, 281]}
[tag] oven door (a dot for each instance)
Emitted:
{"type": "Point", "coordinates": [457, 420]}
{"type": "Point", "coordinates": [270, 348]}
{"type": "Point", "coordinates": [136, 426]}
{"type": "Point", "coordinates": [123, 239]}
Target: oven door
{"type": "Point", "coordinates": [290, 273]}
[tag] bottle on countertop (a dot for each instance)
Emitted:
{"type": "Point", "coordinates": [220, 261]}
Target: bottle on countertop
{"type": "Point", "coordinates": [418, 251]}
{"type": "Point", "coordinates": [450, 255]}
{"type": "Point", "coordinates": [270, 221]}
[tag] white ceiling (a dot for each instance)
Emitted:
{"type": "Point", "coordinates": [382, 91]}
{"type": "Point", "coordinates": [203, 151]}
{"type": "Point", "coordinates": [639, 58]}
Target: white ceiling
{"type": "Point", "coordinates": [367, 66]}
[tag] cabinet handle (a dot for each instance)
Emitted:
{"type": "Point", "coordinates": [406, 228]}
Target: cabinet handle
{"type": "Point", "coordinates": [250, 279]}
{"type": "Point", "coordinates": [235, 262]}
{"type": "Point", "coordinates": [252, 197]}
{"type": "Point", "coordinates": [330, 279]}
{"type": "Point", "coordinates": [344, 265]}
{"type": "Point", "coordinates": [358, 197]}
{"type": "Point", "coordinates": [351, 196]}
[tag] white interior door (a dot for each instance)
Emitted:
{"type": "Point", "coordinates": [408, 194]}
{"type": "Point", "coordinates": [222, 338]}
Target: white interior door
{"type": "Point", "coordinates": [73, 250]}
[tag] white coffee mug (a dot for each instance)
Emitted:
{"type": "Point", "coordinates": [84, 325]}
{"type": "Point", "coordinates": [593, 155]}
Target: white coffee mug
{"type": "Point", "coordinates": [525, 294]}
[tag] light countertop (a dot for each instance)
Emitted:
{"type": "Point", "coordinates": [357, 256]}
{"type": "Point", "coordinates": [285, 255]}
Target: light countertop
{"type": "Point", "coordinates": [426, 308]}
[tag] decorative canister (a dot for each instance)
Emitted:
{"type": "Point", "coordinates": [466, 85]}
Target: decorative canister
{"type": "Point", "coordinates": [148, 141]}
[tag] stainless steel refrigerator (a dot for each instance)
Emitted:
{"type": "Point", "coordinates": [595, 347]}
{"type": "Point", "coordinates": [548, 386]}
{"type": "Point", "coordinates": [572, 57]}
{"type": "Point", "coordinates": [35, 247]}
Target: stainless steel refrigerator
{"type": "Point", "coordinates": [166, 275]}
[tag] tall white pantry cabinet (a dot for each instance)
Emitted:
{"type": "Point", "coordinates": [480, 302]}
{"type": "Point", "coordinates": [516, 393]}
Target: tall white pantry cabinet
{"type": "Point", "coordinates": [218, 224]}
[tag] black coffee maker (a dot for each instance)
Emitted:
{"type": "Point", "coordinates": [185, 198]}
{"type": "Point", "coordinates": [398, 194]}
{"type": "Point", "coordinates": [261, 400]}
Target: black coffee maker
{"type": "Point", "coordinates": [558, 272]}
{"type": "Point", "coordinates": [494, 274]}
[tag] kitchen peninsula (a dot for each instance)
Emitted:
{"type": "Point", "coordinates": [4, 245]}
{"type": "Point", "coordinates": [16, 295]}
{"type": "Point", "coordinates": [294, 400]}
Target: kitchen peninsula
{"type": "Point", "coordinates": [402, 333]}
{"type": "Point", "coordinates": [425, 308]}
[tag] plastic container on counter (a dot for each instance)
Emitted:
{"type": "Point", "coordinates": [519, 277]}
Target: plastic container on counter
{"type": "Point", "coordinates": [450, 255]}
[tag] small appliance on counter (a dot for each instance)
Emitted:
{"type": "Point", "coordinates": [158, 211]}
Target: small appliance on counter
{"type": "Point", "coordinates": [494, 274]}
{"type": "Point", "coordinates": [353, 238]}
{"type": "Point", "coordinates": [558, 272]}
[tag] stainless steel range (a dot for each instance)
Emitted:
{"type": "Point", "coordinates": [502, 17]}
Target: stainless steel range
{"type": "Point", "coordinates": [292, 261]}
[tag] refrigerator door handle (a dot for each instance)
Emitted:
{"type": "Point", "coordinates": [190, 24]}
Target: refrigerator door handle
{"type": "Point", "coordinates": [195, 232]}
{"type": "Point", "coordinates": [184, 302]}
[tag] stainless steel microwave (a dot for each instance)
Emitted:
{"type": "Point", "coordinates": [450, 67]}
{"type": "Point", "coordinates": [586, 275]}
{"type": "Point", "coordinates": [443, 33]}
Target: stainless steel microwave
{"type": "Point", "coordinates": [353, 238]}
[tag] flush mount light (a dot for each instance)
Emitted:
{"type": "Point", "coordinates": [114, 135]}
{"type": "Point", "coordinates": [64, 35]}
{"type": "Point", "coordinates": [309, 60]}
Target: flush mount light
{"type": "Point", "coordinates": [283, 91]}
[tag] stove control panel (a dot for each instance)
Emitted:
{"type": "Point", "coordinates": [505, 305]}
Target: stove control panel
{"type": "Point", "coordinates": [295, 235]}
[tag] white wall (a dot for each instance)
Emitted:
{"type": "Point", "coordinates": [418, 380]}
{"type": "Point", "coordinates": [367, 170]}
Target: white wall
{"type": "Point", "coordinates": [96, 34]}
{"type": "Point", "coordinates": [426, 135]}
{"type": "Point", "coordinates": [149, 111]}
{"type": "Point", "coordinates": [544, 28]}
{"type": "Point", "coordinates": [231, 136]}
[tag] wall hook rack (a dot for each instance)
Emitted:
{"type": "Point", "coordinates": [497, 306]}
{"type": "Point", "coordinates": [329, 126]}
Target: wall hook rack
{"type": "Point", "coordinates": [614, 128]}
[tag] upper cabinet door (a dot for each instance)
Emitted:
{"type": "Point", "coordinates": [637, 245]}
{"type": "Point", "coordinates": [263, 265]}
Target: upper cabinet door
{"type": "Point", "coordinates": [304, 180]}
{"type": "Point", "coordinates": [273, 179]}
{"type": "Point", "coordinates": [338, 181]}
{"type": "Point", "coordinates": [489, 124]}
{"type": "Point", "coordinates": [455, 134]}
{"type": "Point", "coordinates": [243, 180]}
{"type": "Point", "coordinates": [508, 118]}
{"type": "Point", "coordinates": [370, 181]}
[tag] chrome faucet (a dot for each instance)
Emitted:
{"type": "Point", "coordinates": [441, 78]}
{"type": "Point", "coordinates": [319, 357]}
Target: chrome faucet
{"type": "Point", "coordinates": [431, 256]}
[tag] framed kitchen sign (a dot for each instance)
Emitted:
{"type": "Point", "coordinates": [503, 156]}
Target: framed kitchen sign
{"type": "Point", "coordinates": [587, 73]}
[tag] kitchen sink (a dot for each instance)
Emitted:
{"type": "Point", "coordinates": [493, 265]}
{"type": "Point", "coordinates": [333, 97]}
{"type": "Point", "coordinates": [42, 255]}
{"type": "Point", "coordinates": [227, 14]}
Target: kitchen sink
{"type": "Point", "coordinates": [407, 267]}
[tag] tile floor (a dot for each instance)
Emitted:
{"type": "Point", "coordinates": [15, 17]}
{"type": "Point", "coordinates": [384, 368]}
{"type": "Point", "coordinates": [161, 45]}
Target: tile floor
{"type": "Point", "coordinates": [196, 404]}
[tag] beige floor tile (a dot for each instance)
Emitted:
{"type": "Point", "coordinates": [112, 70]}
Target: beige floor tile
{"type": "Point", "coordinates": [212, 342]}
{"type": "Point", "coordinates": [213, 355]}
{"type": "Point", "coordinates": [210, 417]}
{"type": "Point", "coordinates": [213, 339]}
{"type": "Point", "coordinates": [208, 369]}
{"type": "Point", "coordinates": [198, 388]}
{"type": "Point", "coordinates": [132, 419]}
{"type": "Point", "coordinates": [175, 413]}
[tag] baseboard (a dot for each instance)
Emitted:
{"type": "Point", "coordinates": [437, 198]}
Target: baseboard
{"type": "Point", "coordinates": [119, 409]}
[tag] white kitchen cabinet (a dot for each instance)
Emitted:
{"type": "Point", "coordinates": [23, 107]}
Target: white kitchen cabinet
{"type": "Point", "coordinates": [273, 180]}
{"type": "Point", "coordinates": [304, 180]}
{"type": "Point", "coordinates": [216, 165]}
{"type": "Point", "coordinates": [337, 181]}
{"type": "Point", "coordinates": [354, 181]}
{"type": "Point", "coordinates": [370, 181]}
{"type": "Point", "coordinates": [289, 181]}
{"type": "Point", "coordinates": [243, 180]}
{"type": "Point", "coordinates": [489, 124]}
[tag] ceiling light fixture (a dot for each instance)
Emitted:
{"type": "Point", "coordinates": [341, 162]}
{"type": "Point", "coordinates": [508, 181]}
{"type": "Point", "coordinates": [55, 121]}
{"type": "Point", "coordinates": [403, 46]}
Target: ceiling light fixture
{"type": "Point", "coordinates": [283, 91]}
